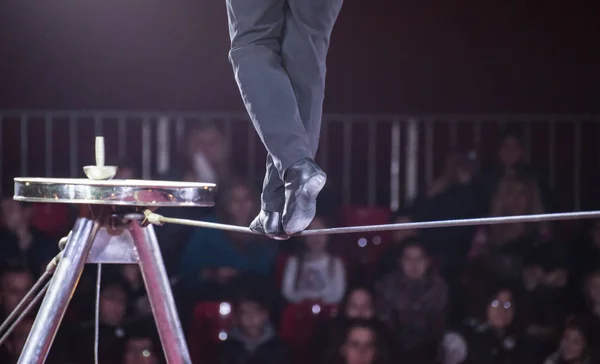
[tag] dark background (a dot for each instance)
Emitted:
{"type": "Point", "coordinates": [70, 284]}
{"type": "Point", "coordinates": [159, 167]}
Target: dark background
{"type": "Point", "coordinates": [386, 56]}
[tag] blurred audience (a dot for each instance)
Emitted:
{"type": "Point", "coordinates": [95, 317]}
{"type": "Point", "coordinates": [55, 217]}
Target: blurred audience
{"type": "Point", "coordinates": [501, 294]}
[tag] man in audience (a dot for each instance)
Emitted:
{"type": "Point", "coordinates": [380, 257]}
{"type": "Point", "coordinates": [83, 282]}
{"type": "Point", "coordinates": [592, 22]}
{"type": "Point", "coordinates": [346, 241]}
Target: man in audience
{"type": "Point", "coordinates": [253, 339]}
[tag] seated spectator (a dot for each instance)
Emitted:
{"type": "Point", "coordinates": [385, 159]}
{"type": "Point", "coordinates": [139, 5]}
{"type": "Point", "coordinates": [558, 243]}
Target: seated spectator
{"type": "Point", "coordinates": [511, 160]}
{"type": "Point", "coordinates": [504, 246]}
{"type": "Point", "coordinates": [131, 277]}
{"type": "Point", "coordinates": [314, 273]}
{"type": "Point", "coordinates": [142, 345]}
{"type": "Point", "coordinates": [577, 345]}
{"type": "Point", "coordinates": [548, 300]}
{"type": "Point", "coordinates": [494, 338]}
{"type": "Point", "coordinates": [14, 285]}
{"type": "Point", "coordinates": [212, 258]}
{"type": "Point", "coordinates": [20, 243]}
{"type": "Point", "coordinates": [358, 303]}
{"type": "Point", "coordinates": [412, 302]}
{"type": "Point", "coordinates": [253, 339]}
{"type": "Point", "coordinates": [112, 326]}
{"type": "Point", "coordinates": [361, 343]}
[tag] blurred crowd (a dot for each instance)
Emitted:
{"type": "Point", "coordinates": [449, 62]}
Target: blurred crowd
{"type": "Point", "coordinates": [511, 293]}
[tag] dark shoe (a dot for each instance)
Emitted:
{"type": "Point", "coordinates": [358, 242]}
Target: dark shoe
{"type": "Point", "coordinates": [303, 182]}
{"type": "Point", "coordinates": [269, 223]}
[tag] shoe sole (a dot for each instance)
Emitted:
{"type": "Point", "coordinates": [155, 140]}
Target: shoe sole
{"type": "Point", "coordinates": [306, 200]}
{"type": "Point", "coordinates": [262, 231]}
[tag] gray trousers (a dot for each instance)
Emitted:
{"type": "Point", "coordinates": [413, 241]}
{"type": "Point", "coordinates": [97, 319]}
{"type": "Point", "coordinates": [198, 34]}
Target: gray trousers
{"type": "Point", "coordinates": [278, 52]}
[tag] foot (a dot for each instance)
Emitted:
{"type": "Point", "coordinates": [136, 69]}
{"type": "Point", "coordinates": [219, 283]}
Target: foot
{"type": "Point", "coordinates": [269, 223]}
{"type": "Point", "coordinates": [303, 182]}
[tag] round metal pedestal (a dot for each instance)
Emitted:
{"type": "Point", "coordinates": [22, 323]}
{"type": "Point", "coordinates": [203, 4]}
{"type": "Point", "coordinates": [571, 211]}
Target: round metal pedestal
{"type": "Point", "coordinates": [102, 235]}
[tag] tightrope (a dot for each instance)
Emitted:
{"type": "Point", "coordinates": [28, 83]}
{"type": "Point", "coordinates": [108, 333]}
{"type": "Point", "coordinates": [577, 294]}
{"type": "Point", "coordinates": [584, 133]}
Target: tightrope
{"type": "Point", "coordinates": [157, 219]}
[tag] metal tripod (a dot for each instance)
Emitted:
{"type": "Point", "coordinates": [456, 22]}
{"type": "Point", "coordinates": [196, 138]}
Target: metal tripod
{"type": "Point", "coordinates": [107, 240]}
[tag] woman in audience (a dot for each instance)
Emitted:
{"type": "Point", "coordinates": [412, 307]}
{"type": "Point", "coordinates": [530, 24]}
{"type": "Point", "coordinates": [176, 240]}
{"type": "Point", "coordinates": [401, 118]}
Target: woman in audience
{"type": "Point", "coordinates": [412, 302]}
{"type": "Point", "coordinates": [503, 246]}
{"type": "Point", "coordinates": [576, 346]}
{"type": "Point", "coordinates": [360, 343]}
{"type": "Point", "coordinates": [494, 338]}
{"type": "Point", "coordinates": [212, 258]}
{"type": "Point", "coordinates": [314, 273]}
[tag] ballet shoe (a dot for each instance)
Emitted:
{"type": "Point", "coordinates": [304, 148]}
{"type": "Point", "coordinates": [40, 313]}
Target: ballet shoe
{"type": "Point", "coordinates": [303, 182]}
{"type": "Point", "coordinates": [269, 223]}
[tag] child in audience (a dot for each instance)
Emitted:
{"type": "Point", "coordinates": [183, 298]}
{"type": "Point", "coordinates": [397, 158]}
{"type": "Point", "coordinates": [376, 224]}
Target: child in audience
{"type": "Point", "coordinates": [576, 346]}
{"type": "Point", "coordinates": [412, 302]}
{"type": "Point", "coordinates": [314, 273]}
{"type": "Point", "coordinates": [253, 340]}
{"type": "Point", "coordinates": [361, 343]}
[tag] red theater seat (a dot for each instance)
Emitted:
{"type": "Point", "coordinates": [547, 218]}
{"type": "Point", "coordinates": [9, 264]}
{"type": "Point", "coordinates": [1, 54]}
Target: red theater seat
{"type": "Point", "coordinates": [298, 322]}
{"type": "Point", "coordinates": [212, 322]}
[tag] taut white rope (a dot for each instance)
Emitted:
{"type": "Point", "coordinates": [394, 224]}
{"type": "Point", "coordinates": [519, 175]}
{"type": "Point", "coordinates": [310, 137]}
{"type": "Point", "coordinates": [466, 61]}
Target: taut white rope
{"type": "Point", "coordinates": [157, 219]}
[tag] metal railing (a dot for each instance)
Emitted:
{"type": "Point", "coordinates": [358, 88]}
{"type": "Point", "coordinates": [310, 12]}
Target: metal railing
{"type": "Point", "coordinates": [375, 158]}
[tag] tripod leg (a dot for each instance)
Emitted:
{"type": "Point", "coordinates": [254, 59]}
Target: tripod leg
{"type": "Point", "coordinates": [59, 292]}
{"type": "Point", "coordinates": [160, 295]}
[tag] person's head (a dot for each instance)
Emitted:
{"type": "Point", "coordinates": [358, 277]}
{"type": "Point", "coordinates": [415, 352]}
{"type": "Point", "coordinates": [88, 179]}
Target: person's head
{"type": "Point", "coordinates": [316, 244]}
{"type": "Point", "coordinates": [113, 303]}
{"type": "Point", "coordinates": [239, 203]}
{"type": "Point", "coordinates": [500, 307]}
{"type": "Point", "coordinates": [14, 285]}
{"type": "Point", "coordinates": [140, 345]}
{"type": "Point", "coordinates": [207, 139]}
{"type": "Point", "coordinates": [516, 195]}
{"type": "Point", "coordinates": [14, 215]}
{"type": "Point", "coordinates": [251, 311]}
{"type": "Point", "coordinates": [592, 288]}
{"type": "Point", "coordinates": [574, 345]}
{"type": "Point", "coordinates": [362, 343]}
{"type": "Point", "coordinates": [18, 337]}
{"type": "Point", "coordinates": [414, 259]}
{"type": "Point", "coordinates": [358, 303]}
{"type": "Point", "coordinates": [512, 150]}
